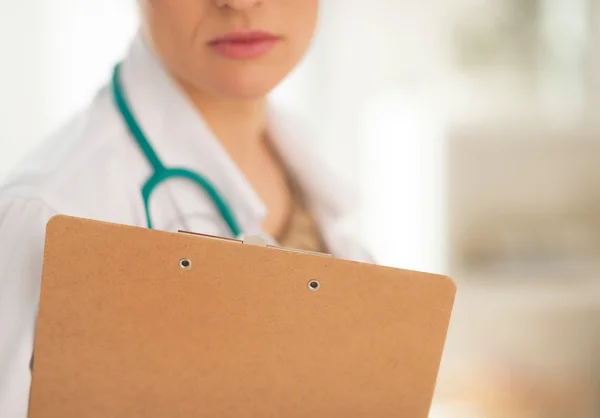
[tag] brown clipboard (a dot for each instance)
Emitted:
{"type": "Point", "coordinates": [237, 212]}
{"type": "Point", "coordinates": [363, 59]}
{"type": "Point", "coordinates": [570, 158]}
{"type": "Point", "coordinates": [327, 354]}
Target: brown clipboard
{"type": "Point", "coordinates": [139, 323]}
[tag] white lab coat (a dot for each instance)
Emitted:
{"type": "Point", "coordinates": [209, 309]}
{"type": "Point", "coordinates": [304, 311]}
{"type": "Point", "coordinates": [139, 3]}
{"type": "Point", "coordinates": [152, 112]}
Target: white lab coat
{"type": "Point", "coordinates": [92, 168]}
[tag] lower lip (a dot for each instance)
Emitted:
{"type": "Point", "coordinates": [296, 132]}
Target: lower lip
{"type": "Point", "coordinates": [245, 49]}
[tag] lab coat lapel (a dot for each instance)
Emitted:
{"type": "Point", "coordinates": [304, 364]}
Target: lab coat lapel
{"type": "Point", "coordinates": [331, 200]}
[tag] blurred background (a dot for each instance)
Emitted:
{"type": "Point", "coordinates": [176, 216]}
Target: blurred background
{"type": "Point", "coordinates": [470, 127]}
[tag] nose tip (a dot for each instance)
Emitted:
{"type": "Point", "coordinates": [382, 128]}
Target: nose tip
{"type": "Point", "coordinates": [238, 4]}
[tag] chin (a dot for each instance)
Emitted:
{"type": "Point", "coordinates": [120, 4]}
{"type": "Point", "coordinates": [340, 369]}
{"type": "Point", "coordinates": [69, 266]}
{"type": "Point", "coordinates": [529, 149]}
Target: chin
{"type": "Point", "coordinates": [246, 84]}
{"type": "Point", "coordinates": [245, 91]}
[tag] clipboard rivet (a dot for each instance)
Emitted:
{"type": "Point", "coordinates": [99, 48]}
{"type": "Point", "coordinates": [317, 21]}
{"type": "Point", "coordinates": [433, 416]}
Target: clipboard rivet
{"type": "Point", "coordinates": [185, 264]}
{"type": "Point", "coordinates": [314, 285]}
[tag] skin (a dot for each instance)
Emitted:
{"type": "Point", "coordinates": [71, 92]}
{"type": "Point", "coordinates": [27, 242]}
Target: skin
{"type": "Point", "coordinates": [230, 94]}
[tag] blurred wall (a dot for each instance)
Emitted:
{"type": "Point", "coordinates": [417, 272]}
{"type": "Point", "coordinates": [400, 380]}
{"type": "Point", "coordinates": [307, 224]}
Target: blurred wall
{"type": "Point", "coordinates": [55, 55]}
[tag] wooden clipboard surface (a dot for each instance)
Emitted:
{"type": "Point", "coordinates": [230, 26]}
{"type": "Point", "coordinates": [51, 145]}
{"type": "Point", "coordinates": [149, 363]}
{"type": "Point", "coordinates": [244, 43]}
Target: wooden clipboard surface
{"type": "Point", "coordinates": [124, 331]}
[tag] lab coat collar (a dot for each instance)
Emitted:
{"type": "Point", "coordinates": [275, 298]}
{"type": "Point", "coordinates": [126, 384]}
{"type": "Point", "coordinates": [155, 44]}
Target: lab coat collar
{"type": "Point", "coordinates": [332, 200]}
{"type": "Point", "coordinates": [325, 191]}
{"type": "Point", "coordinates": [180, 136]}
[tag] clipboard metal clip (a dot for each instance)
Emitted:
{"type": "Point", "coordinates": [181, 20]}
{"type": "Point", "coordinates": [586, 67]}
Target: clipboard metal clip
{"type": "Point", "coordinates": [257, 241]}
{"type": "Point", "coordinates": [253, 240]}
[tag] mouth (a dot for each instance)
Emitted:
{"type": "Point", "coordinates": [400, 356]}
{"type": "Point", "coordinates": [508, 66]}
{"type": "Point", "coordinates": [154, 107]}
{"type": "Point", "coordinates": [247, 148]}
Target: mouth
{"type": "Point", "coordinates": [244, 45]}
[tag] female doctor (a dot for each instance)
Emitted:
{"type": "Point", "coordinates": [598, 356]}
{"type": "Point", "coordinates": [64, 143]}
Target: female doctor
{"type": "Point", "coordinates": [181, 138]}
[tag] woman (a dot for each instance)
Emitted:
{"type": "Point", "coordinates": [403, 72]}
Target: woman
{"type": "Point", "coordinates": [195, 84]}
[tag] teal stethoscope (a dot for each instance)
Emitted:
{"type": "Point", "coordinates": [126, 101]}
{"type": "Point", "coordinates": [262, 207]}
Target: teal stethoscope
{"type": "Point", "coordinates": [161, 173]}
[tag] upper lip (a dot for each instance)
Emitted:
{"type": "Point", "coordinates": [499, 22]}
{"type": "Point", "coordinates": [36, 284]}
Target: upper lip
{"type": "Point", "coordinates": [244, 36]}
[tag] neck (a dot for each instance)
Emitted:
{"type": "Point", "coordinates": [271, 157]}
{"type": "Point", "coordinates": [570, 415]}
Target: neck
{"type": "Point", "coordinates": [240, 125]}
